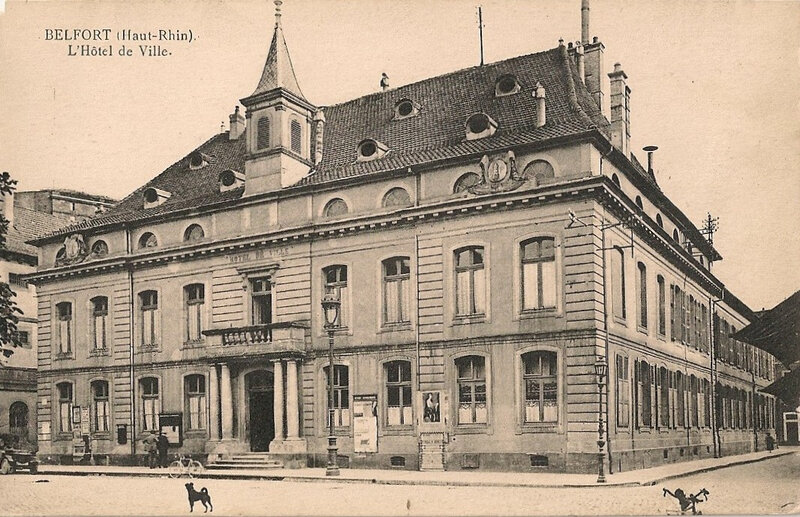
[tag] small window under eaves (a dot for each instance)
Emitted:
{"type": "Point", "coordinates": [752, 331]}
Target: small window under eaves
{"type": "Point", "coordinates": [405, 108]}
{"type": "Point", "coordinates": [480, 125]}
{"type": "Point", "coordinates": [154, 196]}
{"type": "Point", "coordinates": [506, 85]}
{"type": "Point", "coordinates": [370, 150]}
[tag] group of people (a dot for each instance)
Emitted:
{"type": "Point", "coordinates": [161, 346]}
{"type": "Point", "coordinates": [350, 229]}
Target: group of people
{"type": "Point", "coordinates": [156, 448]}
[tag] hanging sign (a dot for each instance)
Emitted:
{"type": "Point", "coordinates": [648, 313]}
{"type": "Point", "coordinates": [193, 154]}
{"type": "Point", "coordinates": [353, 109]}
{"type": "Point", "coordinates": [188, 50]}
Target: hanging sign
{"type": "Point", "coordinates": [365, 423]}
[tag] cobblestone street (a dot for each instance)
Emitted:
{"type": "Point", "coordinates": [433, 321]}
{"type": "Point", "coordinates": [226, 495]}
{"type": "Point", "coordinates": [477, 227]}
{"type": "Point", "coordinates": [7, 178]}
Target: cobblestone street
{"type": "Point", "coordinates": [759, 488]}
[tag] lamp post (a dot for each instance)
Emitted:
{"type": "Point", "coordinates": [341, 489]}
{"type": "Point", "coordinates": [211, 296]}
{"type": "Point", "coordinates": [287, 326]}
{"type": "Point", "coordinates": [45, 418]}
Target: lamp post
{"type": "Point", "coordinates": [601, 370]}
{"type": "Point", "coordinates": [330, 307]}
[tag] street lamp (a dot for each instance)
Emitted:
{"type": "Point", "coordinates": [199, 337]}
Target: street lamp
{"type": "Point", "coordinates": [601, 370]}
{"type": "Point", "coordinates": [330, 307]}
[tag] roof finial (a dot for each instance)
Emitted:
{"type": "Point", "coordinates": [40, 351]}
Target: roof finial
{"type": "Point", "coordinates": [278, 12]}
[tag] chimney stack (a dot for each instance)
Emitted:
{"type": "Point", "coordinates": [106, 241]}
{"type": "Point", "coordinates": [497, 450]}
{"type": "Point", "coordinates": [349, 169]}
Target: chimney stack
{"type": "Point", "coordinates": [237, 125]}
{"type": "Point", "coordinates": [319, 134]}
{"type": "Point", "coordinates": [620, 110]}
{"type": "Point", "coordinates": [650, 149]}
{"type": "Point", "coordinates": [585, 22]}
{"type": "Point", "coordinates": [580, 61]}
{"type": "Point", "coordinates": [541, 113]}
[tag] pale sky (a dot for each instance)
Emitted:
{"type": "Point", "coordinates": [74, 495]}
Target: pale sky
{"type": "Point", "coordinates": [714, 84]}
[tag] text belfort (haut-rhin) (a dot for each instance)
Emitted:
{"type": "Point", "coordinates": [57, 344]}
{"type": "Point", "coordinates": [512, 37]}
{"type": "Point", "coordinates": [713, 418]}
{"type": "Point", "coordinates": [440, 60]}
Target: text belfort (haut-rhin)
{"type": "Point", "coordinates": [126, 42]}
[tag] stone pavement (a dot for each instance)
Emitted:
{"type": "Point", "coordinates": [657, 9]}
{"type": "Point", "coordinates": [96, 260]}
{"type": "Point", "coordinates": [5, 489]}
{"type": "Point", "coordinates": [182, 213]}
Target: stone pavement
{"type": "Point", "coordinates": [642, 477]}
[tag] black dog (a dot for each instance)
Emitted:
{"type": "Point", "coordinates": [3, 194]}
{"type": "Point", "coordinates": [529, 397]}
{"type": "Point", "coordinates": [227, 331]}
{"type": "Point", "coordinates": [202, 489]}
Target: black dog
{"type": "Point", "coordinates": [201, 496]}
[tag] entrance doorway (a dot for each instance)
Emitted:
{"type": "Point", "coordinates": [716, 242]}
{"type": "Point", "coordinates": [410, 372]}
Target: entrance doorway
{"type": "Point", "coordinates": [260, 417]}
{"type": "Point", "coordinates": [791, 428]}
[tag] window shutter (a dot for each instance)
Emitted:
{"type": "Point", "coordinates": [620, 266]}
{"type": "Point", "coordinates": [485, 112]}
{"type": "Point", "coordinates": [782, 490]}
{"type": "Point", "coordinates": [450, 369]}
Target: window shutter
{"type": "Point", "coordinates": [672, 329]}
{"type": "Point", "coordinates": [637, 393]}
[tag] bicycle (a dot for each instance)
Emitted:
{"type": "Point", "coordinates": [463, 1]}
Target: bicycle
{"type": "Point", "coordinates": [184, 465]}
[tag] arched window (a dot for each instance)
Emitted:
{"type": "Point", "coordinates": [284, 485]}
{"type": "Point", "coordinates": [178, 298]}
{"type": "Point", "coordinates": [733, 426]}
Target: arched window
{"type": "Point", "coordinates": [65, 400]}
{"type": "Point", "coordinates": [336, 281]}
{"type": "Point", "coordinates": [262, 134]}
{"type": "Point", "coordinates": [150, 326]}
{"type": "Point", "coordinates": [539, 171]}
{"type": "Point", "coordinates": [64, 333]}
{"type": "Point", "coordinates": [296, 137]}
{"type": "Point", "coordinates": [398, 394]}
{"type": "Point", "coordinates": [465, 182]}
{"type": "Point", "coordinates": [194, 233]}
{"type": "Point", "coordinates": [618, 282]}
{"type": "Point", "coordinates": [396, 197]}
{"type": "Point", "coordinates": [151, 402]}
{"type": "Point", "coordinates": [18, 419]}
{"type": "Point", "coordinates": [659, 221]}
{"type": "Point", "coordinates": [195, 401]}
{"type": "Point", "coordinates": [147, 240]}
{"type": "Point", "coordinates": [99, 322]}
{"type": "Point", "coordinates": [194, 299]}
{"type": "Point", "coordinates": [471, 379]}
{"type": "Point", "coordinates": [470, 284]}
{"type": "Point", "coordinates": [538, 267]}
{"type": "Point", "coordinates": [639, 202]}
{"type": "Point", "coordinates": [641, 273]}
{"type": "Point", "coordinates": [675, 235]}
{"type": "Point", "coordinates": [100, 248]}
{"type": "Point", "coordinates": [341, 396]}
{"type": "Point", "coordinates": [61, 254]}
{"type": "Point", "coordinates": [335, 207]}
{"type": "Point", "coordinates": [396, 290]}
{"type": "Point", "coordinates": [540, 385]}
{"type": "Point", "coordinates": [615, 179]}
{"type": "Point", "coordinates": [100, 406]}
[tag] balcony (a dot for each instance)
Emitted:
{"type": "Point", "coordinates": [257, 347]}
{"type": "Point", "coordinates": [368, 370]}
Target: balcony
{"type": "Point", "coordinates": [283, 338]}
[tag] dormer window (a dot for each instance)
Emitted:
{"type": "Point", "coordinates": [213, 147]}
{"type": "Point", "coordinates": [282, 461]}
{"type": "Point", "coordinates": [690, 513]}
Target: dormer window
{"type": "Point", "coordinates": [230, 179]}
{"type": "Point", "coordinates": [197, 160]}
{"type": "Point", "coordinates": [154, 197]}
{"type": "Point", "coordinates": [506, 85]}
{"type": "Point", "coordinates": [480, 125]}
{"type": "Point", "coordinates": [405, 108]}
{"type": "Point", "coordinates": [371, 150]}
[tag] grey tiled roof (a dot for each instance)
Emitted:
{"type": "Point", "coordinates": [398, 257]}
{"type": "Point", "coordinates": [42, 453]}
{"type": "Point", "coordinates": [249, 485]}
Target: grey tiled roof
{"type": "Point", "coordinates": [436, 133]}
{"type": "Point", "coordinates": [29, 224]}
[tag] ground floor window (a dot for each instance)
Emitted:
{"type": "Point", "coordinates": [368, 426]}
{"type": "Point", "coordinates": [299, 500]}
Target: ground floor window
{"type": "Point", "coordinates": [398, 393]}
{"type": "Point", "coordinates": [540, 378]}
{"type": "Point", "coordinates": [195, 391]}
{"type": "Point", "coordinates": [100, 406]}
{"type": "Point", "coordinates": [341, 396]}
{"type": "Point", "coordinates": [65, 406]}
{"type": "Point", "coordinates": [472, 408]}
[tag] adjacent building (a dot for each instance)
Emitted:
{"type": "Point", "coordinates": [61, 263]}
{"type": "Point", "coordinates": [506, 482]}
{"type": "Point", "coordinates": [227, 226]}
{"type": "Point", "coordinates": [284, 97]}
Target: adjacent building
{"type": "Point", "coordinates": [491, 237]}
{"type": "Point", "coordinates": [29, 219]}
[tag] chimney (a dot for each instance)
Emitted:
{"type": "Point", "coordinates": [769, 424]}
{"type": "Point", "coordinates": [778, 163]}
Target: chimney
{"type": "Point", "coordinates": [237, 125]}
{"type": "Point", "coordinates": [593, 70]}
{"type": "Point", "coordinates": [650, 149]}
{"type": "Point", "coordinates": [585, 21]}
{"type": "Point", "coordinates": [541, 114]}
{"type": "Point", "coordinates": [620, 110]}
{"type": "Point", "coordinates": [8, 208]}
{"type": "Point", "coordinates": [319, 133]}
{"type": "Point", "coordinates": [580, 61]}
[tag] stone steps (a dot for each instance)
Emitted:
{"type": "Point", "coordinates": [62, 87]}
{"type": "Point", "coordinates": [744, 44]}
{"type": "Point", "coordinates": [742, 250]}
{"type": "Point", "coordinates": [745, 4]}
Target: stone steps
{"type": "Point", "coordinates": [246, 461]}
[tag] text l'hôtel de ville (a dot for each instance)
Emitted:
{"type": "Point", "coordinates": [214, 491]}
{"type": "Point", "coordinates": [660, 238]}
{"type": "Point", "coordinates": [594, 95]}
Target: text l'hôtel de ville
{"type": "Point", "coordinates": [97, 42]}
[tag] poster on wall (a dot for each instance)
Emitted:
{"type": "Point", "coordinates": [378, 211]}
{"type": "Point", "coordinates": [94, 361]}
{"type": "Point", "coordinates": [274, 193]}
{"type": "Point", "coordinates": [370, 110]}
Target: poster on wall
{"type": "Point", "coordinates": [76, 416]}
{"type": "Point", "coordinates": [365, 423]}
{"type": "Point", "coordinates": [171, 424]}
{"type": "Point", "coordinates": [432, 410]}
{"type": "Point", "coordinates": [85, 420]}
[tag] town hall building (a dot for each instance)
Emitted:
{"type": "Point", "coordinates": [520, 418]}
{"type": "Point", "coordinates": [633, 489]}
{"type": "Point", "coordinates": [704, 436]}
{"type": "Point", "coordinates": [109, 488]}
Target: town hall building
{"type": "Point", "coordinates": [494, 243]}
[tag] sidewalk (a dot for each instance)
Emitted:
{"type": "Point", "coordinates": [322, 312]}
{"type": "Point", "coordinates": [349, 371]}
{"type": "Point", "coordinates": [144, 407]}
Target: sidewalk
{"type": "Point", "coordinates": [642, 477]}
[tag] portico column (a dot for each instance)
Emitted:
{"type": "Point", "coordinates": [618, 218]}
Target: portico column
{"type": "Point", "coordinates": [213, 406]}
{"type": "Point", "coordinates": [292, 415]}
{"type": "Point", "coordinates": [277, 400]}
{"type": "Point", "coordinates": [226, 395]}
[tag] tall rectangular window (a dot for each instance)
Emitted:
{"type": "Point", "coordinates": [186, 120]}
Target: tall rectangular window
{"type": "Point", "coordinates": [261, 301]}
{"type": "Point", "coordinates": [663, 396]}
{"type": "Point", "coordinates": [706, 403]}
{"type": "Point", "coordinates": [99, 322]}
{"type": "Point", "coordinates": [151, 403]}
{"type": "Point", "coordinates": [472, 408]}
{"type": "Point", "coordinates": [540, 378]}
{"type": "Point", "coordinates": [341, 395]}
{"type": "Point", "coordinates": [296, 137]}
{"type": "Point", "coordinates": [195, 300]}
{"type": "Point", "coordinates": [645, 395]}
{"type": "Point", "coordinates": [398, 393]}
{"type": "Point", "coordinates": [681, 399]}
{"type": "Point", "coordinates": [693, 394]}
{"type": "Point", "coordinates": [470, 282]}
{"type": "Point", "coordinates": [65, 327]}
{"type": "Point", "coordinates": [336, 281]}
{"type": "Point", "coordinates": [65, 406]}
{"type": "Point", "coordinates": [641, 281]}
{"type": "Point", "coordinates": [538, 273]}
{"type": "Point", "coordinates": [662, 306]}
{"type": "Point", "coordinates": [396, 290]}
{"type": "Point", "coordinates": [623, 391]}
{"type": "Point", "coordinates": [195, 401]}
{"type": "Point", "coordinates": [150, 318]}
{"type": "Point", "coordinates": [618, 282]}
{"type": "Point", "coordinates": [100, 406]}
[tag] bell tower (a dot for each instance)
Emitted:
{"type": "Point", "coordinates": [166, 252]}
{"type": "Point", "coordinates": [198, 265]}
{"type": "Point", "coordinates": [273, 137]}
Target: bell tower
{"type": "Point", "coordinates": [278, 135]}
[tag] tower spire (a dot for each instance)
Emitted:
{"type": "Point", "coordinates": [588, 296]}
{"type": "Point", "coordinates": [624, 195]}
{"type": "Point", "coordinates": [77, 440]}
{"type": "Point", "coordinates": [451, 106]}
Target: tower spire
{"type": "Point", "coordinates": [278, 70]}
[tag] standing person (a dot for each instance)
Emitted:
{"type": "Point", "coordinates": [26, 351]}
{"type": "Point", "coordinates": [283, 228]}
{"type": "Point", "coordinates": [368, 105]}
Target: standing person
{"type": "Point", "coordinates": [770, 442]}
{"type": "Point", "coordinates": [162, 445]}
{"type": "Point", "coordinates": [151, 448]}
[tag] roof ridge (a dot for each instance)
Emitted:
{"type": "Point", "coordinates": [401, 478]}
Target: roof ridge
{"type": "Point", "coordinates": [446, 74]}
